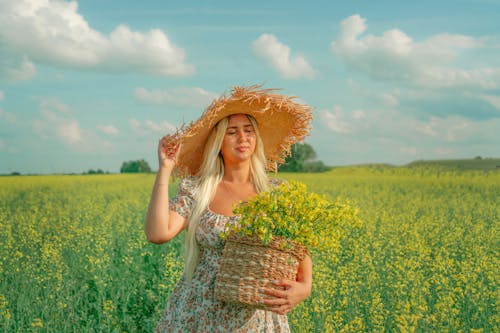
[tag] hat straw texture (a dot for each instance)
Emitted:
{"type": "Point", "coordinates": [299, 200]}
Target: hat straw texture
{"type": "Point", "coordinates": [281, 120]}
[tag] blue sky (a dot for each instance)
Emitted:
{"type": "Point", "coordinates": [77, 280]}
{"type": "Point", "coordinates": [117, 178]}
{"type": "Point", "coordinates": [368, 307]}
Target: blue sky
{"type": "Point", "coordinates": [91, 84]}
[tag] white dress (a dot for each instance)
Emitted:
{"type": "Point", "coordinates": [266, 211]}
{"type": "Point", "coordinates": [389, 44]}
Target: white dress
{"type": "Point", "coordinates": [192, 307]}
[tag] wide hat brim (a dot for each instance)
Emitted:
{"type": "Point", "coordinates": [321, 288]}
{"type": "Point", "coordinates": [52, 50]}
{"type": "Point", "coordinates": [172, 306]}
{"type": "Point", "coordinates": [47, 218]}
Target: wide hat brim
{"type": "Point", "coordinates": [280, 119]}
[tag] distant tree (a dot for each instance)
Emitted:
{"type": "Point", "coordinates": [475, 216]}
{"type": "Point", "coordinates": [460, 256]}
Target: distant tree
{"type": "Point", "coordinates": [94, 172]}
{"type": "Point", "coordinates": [302, 159]}
{"type": "Point", "coordinates": [315, 166]}
{"type": "Point", "coordinates": [135, 166]}
{"type": "Point", "coordinates": [478, 158]}
{"type": "Point", "coordinates": [15, 173]}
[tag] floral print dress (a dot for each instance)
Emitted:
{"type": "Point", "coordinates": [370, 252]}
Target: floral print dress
{"type": "Point", "coordinates": [192, 307]}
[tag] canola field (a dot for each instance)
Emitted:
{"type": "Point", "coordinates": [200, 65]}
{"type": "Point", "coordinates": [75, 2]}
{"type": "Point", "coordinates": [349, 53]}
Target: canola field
{"type": "Point", "coordinates": [425, 258]}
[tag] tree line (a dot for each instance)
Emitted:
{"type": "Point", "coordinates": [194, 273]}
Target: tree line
{"type": "Point", "coordinates": [301, 159]}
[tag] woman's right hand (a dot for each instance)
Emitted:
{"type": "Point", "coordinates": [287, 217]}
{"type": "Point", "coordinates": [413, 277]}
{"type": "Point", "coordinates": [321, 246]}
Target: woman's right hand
{"type": "Point", "coordinates": [167, 153]}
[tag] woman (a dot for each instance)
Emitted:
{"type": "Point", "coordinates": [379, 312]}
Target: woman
{"type": "Point", "coordinates": [223, 157]}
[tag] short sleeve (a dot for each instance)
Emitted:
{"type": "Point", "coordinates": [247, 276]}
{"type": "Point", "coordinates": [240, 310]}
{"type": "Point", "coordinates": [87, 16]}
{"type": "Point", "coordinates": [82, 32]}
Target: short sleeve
{"type": "Point", "coordinates": [183, 202]}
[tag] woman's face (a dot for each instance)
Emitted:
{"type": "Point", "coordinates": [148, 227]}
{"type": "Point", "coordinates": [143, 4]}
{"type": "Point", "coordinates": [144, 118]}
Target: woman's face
{"type": "Point", "coordinates": [239, 141]}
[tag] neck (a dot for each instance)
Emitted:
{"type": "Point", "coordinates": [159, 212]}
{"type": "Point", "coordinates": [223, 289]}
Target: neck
{"type": "Point", "coordinates": [237, 173]}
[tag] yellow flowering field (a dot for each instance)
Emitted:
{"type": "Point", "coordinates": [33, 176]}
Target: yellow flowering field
{"type": "Point", "coordinates": [425, 258]}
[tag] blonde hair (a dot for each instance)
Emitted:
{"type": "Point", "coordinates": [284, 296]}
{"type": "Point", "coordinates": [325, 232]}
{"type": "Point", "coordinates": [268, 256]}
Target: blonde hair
{"type": "Point", "coordinates": [209, 176]}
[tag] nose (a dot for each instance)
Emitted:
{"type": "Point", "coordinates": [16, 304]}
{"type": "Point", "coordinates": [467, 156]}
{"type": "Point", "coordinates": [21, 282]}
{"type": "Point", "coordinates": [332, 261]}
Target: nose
{"type": "Point", "coordinates": [242, 135]}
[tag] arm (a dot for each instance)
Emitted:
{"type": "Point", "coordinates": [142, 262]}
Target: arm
{"type": "Point", "coordinates": [161, 224]}
{"type": "Point", "coordinates": [295, 291]}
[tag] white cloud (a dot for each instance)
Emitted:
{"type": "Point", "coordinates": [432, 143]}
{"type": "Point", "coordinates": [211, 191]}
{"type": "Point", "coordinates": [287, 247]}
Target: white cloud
{"type": "Point", "coordinates": [149, 127]}
{"type": "Point", "coordinates": [427, 128]}
{"type": "Point", "coordinates": [269, 48]}
{"type": "Point", "coordinates": [493, 100]}
{"type": "Point", "coordinates": [444, 151]}
{"type": "Point", "coordinates": [57, 119]}
{"type": "Point", "coordinates": [412, 151]}
{"type": "Point", "coordinates": [367, 94]}
{"type": "Point", "coordinates": [389, 100]}
{"type": "Point", "coordinates": [358, 114]}
{"type": "Point", "coordinates": [58, 123]}
{"type": "Point", "coordinates": [396, 56]}
{"type": "Point", "coordinates": [396, 125]}
{"type": "Point", "coordinates": [195, 97]}
{"type": "Point", "coordinates": [70, 131]}
{"type": "Point", "coordinates": [53, 32]}
{"type": "Point", "coordinates": [25, 71]}
{"type": "Point", "coordinates": [453, 128]}
{"type": "Point", "coordinates": [335, 120]}
{"type": "Point", "coordinates": [7, 116]}
{"type": "Point", "coordinates": [2, 95]}
{"type": "Point", "coordinates": [108, 129]}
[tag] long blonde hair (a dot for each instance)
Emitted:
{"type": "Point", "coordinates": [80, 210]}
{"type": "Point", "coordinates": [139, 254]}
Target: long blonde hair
{"type": "Point", "coordinates": [209, 176]}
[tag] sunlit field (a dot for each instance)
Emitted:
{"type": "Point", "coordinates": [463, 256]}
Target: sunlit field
{"type": "Point", "coordinates": [425, 258]}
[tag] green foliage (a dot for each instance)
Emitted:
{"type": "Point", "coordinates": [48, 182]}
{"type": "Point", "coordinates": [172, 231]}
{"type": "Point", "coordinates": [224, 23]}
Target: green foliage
{"type": "Point", "coordinates": [302, 159]}
{"type": "Point", "coordinates": [135, 166]}
{"type": "Point", "coordinates": [95, 172]}
{"type": "Point", "coordinates": [74, 257]}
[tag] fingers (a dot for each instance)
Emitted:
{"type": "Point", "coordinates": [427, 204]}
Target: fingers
{"type": "Point", "coordinates": [280, 302]}
{"type": "Point", "coordinates": [274, 292]}
{"type": "Point", "coordinates": [273, 302]}
{"type": "Point", "coordinates": [283, 283]}
{"type": "Point", "coordinates": [168, 146]}
{"type": "Point", "coordinates": [280, 298]}
{"type": "Point", "coordinates": [277, 305]}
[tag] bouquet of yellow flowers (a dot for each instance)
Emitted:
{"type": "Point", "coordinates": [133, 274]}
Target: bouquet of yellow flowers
{"type": "Point", "coordinates": [290, 212]}
{"type": "Point", "coordinates": [275, 231]}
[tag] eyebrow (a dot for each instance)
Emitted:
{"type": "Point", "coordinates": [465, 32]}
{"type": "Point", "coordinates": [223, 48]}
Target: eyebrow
{"type": "Point", "coordinates": [248, 125]}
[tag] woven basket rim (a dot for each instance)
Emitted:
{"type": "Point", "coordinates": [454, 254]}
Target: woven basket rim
{"type": "Point", "coordinates": [279, 243]}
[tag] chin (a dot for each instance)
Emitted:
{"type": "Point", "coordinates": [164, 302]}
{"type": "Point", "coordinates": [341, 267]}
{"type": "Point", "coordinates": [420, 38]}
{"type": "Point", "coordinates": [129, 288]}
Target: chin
{"type": "Point", "coordinates": [242, 158]}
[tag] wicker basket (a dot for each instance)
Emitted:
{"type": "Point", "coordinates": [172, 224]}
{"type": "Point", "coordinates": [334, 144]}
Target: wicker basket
{"type": "Point", "coordinates": [247, 265]}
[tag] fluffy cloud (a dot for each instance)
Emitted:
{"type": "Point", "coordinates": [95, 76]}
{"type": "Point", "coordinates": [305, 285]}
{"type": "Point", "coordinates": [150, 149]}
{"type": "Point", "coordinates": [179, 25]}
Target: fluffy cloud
{"type": "Point", "coordinates": [396, 56]}
{"type": "Point", "coordinates": [57, 119]}
{"type": "Point", "coordinates": [389, 100]}
{"type": "Point", "coordinates": [195, 97]}
{"type": "Point", "coordinates": [108, 129]}
{"type": "Point", "coordinates": [149, 127]}
{"type": "Point", "coordinates": [334, 121]}
{"type": "Point", "coordinates": [7, 116]}
{"type": "Point", "coordinates": [393, 124]}
{"type": "Point", "coordinates": [447, 129]}
{"type": "Point", "coordinates": [23, 71]}
{"type": "Point", "coordinates": [491, 99]}
{"type": "Point", "coordinates": [340, 122]}
{"type": "Point", "coordinates": [389, 134]}
{"type": "Point", "coordinates": [269, 48]}
{"type": "Point", "coordinates": [2, 95]}
{"type": "Point", "coordinates": [58, 124]}
{"type": "Point", "coordinates": [53, 32]}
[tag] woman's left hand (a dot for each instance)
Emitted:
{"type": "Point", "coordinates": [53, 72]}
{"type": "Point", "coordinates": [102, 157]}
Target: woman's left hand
{"type": "Point", "coordinates": [294, 293]}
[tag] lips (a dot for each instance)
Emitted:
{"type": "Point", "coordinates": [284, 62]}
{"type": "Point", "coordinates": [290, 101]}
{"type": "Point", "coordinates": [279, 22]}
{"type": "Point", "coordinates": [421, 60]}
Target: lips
{"type": "Point", "coordinates": [242, 149]}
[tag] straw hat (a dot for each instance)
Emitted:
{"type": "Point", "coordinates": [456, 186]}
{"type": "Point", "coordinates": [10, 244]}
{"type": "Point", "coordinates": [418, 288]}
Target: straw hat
{"type": "Point", "coordinates": [281, 121]}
